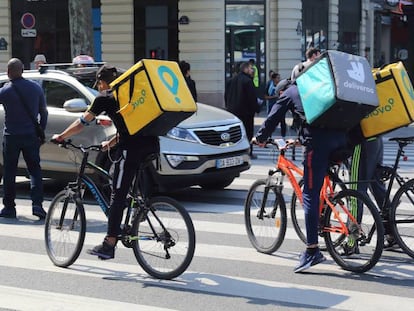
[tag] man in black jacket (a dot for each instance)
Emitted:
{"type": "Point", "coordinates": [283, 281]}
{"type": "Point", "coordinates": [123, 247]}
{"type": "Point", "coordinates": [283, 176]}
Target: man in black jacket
{"type": "Point", "coordinates": [241, 100]}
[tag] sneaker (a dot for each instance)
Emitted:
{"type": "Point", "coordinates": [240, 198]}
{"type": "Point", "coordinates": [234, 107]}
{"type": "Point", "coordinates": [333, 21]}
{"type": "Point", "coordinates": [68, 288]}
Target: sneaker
{"type": "Point", "coordinates": [307, 260]}
{"type": "Point", "coordinates": [39, 212]}
{"type": "Point", "coordinates": [348, 250]}
{"type": "Point", "coordinates": [8, 212]}
{"type": "Point", "coordinates": [390, 244]}
{"type": "Point", "coordinates": [103, 251]}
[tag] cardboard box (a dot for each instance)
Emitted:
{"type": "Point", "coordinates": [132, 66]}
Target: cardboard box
{"type": "Point", "coordinates": [153, 97]}
{"type": "Point", "coordinates": [396, 101]}
{"type": "Point", "coordinates": [337, 90]}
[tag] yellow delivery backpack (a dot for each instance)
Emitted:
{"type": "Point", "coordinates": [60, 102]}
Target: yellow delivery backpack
{"type": "Point", "coordinates": [396, 101]}
{"type": "Point", "coordinates": [153, 97]}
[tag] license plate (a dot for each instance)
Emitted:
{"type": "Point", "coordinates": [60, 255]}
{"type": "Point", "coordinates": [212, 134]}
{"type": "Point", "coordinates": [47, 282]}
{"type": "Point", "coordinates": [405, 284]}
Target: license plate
{"type": "Point", "coordinates": [229, 162]}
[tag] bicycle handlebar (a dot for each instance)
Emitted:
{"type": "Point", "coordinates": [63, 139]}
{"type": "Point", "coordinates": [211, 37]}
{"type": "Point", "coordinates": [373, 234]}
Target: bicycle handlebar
{"type": "Point", "coordinates": [66, 143]}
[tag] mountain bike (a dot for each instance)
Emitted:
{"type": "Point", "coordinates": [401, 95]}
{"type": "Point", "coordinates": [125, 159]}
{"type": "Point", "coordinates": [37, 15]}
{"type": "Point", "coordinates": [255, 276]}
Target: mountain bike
{"type": "Point", "coordinates": [355, 245]}
{"type": "Point", "coordinates": [158, 229]}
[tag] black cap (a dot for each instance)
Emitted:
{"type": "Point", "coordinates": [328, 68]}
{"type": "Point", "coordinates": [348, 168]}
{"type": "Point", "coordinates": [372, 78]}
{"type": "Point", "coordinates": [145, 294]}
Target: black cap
{"type": "Point", "coordinates": [106, 73]}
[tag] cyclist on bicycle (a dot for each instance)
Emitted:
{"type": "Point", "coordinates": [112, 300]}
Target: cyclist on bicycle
{"type": "Point", "coordinates": [130, 153]}
{"type": "Point", "coordinates": [319, 145]}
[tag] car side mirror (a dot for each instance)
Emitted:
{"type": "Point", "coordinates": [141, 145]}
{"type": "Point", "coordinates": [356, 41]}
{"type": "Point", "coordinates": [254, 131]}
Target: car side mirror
{"type": "Point", "coordinates": [75, 105]}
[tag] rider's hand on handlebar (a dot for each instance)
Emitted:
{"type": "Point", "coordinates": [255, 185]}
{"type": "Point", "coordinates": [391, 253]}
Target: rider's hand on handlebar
{"type": "Point", "coordinates": [56, 138]}
{"type": "Point", "coordinates": [255, 142]}
{"type": "Point", "coordinates": [106, 145]}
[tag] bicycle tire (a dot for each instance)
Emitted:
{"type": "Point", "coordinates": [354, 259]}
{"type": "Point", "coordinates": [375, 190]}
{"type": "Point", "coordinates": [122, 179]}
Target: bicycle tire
{"type": "Point", "coordinates": [401, 214]}
{"type": "Point", "coordinates": [266, 234]}
{"type": "Point", "coordinates": [361, 249]}
{"type": "Point", "coordinates": [65, 228]}
{"type": "Point", "coordinates": [149, 249]}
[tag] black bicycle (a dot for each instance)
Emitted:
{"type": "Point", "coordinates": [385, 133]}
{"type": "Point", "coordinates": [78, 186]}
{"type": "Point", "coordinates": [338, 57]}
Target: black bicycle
{"type": "Point", "coordinates": [398, 213]}
{"type": "Point", "coordinates": [158, 229]}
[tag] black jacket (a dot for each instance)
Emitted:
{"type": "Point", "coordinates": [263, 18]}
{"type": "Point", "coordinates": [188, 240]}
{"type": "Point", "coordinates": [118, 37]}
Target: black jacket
{"type": "Point", "coordinates": [240, 96]}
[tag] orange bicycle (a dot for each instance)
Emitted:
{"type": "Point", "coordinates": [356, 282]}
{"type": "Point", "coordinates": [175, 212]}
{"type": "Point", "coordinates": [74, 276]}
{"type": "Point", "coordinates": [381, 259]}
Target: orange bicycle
{"type": "Point", "coordinates": [354, 239]}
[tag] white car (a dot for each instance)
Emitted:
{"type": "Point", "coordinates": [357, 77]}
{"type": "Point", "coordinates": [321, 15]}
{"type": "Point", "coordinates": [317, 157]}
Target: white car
{"type": "Point", "coordinates": [208, 149]}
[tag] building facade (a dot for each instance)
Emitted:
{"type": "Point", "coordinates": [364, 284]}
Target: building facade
{"type": "Point", "coordinates": [214, 36]}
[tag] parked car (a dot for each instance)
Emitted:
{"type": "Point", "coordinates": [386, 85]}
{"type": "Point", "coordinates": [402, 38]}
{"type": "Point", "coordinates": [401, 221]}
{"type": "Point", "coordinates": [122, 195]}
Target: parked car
{"type": "Point", "coordinates": [208, 149]}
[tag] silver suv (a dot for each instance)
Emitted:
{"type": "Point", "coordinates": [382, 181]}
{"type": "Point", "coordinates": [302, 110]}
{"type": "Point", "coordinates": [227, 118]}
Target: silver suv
{"type": "Point", "coordinates": [208, 149]}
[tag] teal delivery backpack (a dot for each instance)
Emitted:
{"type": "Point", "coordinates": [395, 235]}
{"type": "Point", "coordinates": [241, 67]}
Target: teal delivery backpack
{"type": "Point", "coordinates": [337, 90]}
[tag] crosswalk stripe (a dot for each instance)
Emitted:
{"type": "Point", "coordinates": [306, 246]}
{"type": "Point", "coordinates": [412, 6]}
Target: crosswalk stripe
{"type": "Point", "coordinates": [320, 296]}
{"type": "Point", "coordinates": [30, 299]}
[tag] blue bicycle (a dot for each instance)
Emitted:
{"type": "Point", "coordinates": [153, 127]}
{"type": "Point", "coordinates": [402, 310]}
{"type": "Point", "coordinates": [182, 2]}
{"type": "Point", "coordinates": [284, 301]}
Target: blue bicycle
{"type": "Point", "coordinates": [158, 229]}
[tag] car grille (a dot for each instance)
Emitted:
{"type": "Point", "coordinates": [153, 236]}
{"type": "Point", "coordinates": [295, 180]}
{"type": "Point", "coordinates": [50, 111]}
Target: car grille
{"type": "Point", "coordinates": [219, 137]}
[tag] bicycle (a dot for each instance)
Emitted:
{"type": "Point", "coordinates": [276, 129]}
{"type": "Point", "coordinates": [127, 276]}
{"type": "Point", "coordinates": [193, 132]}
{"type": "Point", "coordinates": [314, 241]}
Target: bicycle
{"type": "Point", "coordinates": [158, 229]}
{"type": "Point", "coordinates": [354, 245]}
{"type": "Point", "coordinates": [398, 213]}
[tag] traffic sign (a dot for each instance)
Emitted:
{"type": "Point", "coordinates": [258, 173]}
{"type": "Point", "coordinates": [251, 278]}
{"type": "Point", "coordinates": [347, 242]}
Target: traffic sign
{"type": "Point", "coordinates": [28, 20]}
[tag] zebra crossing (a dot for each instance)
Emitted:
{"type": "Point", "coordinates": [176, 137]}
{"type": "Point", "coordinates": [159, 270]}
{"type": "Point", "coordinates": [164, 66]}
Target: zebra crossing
{"type": "Point", "coordinates": [226, 272]}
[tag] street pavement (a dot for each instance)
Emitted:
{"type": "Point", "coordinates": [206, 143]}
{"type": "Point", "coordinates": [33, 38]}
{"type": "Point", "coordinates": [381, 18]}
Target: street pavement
{"type": "Point", "coordinates": [225, 274]}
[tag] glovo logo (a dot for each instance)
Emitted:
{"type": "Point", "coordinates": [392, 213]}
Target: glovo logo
{"type": "Point", "coordinates": [407, 83]}
{"type": "Point", "coordinates": [170, 80]}
{"type": "Point", "coordinates": [382, 109]}
{"type": "Point", "coordinates": [140, 100]}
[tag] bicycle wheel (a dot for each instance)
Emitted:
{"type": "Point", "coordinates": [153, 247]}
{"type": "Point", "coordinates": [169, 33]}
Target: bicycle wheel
{"type": "Point", "coordinates": [266, 229]}
{"type": "Point", "coordinates": [65, 227]}
{"type": "Point", "coordinates": [402, 217]}
{"type": "Point", "coordinates": [163, 239]}
{"type": "Point", "coordinates": [361, 248]}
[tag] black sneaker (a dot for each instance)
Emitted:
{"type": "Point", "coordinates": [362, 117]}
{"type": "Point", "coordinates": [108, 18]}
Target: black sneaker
{"type": "Point", "coordinates": [348, 250]}
{"type": "Point", "coordinates": [39, 212]}
{"type": "Point", "coordinates": [8, 213]}
{"type": "Point", "coordinates": [104, 251]}
{"type": "Point", "coordinates": [390, 244]}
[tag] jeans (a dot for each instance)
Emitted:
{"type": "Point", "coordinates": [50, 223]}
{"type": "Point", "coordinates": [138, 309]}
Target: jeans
{"type": "Point", "coordinates": [29, 146]}
{"type": "Point", "coordinates": [316, 161]}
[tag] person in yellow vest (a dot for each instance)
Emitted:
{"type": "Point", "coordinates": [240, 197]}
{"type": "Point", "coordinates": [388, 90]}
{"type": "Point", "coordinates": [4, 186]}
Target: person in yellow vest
{"type": "Point", "coordinates": [255, 74]}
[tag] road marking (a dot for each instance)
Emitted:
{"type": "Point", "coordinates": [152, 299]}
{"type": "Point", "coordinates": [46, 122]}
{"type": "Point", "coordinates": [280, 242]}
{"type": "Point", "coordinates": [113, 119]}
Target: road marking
{"type": "Point", "coordinates": [29, 299]}
{"type": "Point", "coordinates": [317, 296]}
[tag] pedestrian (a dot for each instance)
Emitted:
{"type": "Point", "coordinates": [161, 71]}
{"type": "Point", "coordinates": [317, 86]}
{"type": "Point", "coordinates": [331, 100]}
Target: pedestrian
{"type": "Point", "coordinates": [20, 136]}
{"type": "Point", "coordinates": [240, 98]}
{"type": "Point", "coordinates": [311, 55]}
{"type": "Point", "coordinates": [131, 151]}
{"type": "Point", "coordinates": [39, 60]}
{"type": "Point", "coordinates": [272, 95]}
{"type": "Point", "coordinates": [185, 69]}
{"type": "Point", "coordinates": [255, 73]}
{"type": "Point", "coordinates": [318, 144]}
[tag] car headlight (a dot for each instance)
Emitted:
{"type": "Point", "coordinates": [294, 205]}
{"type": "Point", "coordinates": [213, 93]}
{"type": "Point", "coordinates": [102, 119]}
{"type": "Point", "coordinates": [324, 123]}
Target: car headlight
{"type": "Point", "coordinates": [174, 160]}
{"type": "Point", "coordinates": [181, 134]}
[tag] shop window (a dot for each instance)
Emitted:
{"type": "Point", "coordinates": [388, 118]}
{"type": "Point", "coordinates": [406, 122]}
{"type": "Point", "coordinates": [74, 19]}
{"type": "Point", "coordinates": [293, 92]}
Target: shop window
{"type": "Point", "coordinates": [315, 25]}
{"type": "Point", "coordinates": [349, 22]}
{"type": "Point", "coordinates": [156, 29]}
{"type": "Point", "coordinates": [40, 27]}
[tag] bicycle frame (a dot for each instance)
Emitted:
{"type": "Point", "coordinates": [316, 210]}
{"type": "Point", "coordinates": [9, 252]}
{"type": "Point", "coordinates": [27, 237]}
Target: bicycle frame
{"type": "Point", "coordinates": [288, 168]}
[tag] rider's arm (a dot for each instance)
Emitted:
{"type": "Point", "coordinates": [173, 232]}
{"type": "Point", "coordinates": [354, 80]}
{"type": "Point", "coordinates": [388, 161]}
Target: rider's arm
{"type": "Point", "coordinates": [277, 113]}
{"type": "Point", "coordinates": [76, 127]}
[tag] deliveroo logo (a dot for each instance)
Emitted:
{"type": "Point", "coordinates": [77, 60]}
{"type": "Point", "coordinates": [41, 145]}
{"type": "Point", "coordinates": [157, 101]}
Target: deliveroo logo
{"type": "Point", "coordinates": [357, 72]}
{"type": "Point", "coordinates": [170, 80]}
